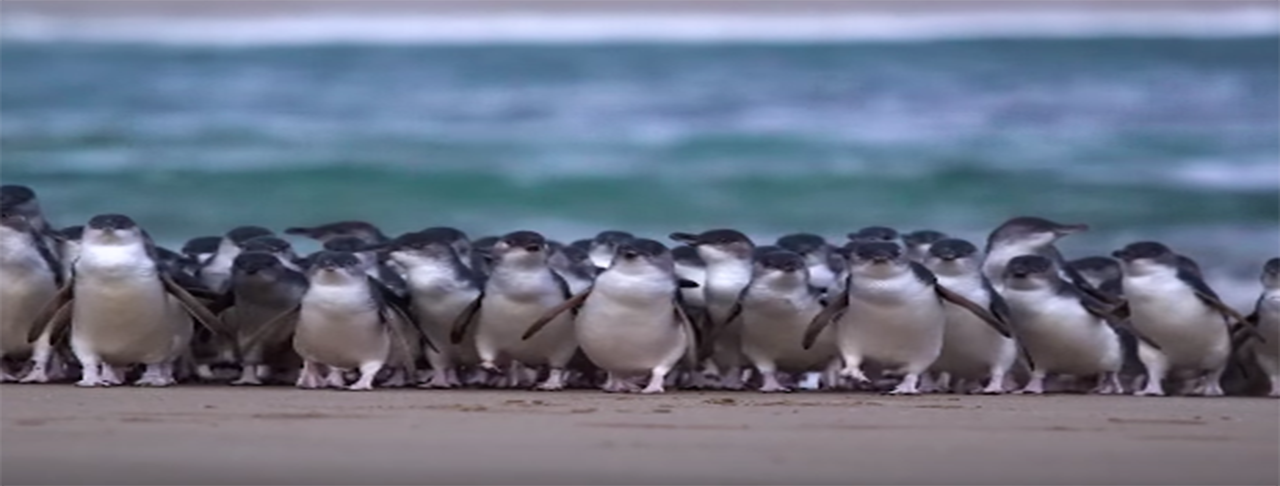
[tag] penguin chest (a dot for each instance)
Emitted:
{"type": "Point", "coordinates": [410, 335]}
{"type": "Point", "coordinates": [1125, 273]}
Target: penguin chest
{"type": "Point", "coordinates": [1166, 310]}
{"type": "Point", "coordinates": [893, 323]}
{"type": "Point", "coordinates": [773, 330]}
{"type": "Point", "coordinates": [340, 328]}
{"type": "Point", "coordinates": [1062, 336]}
{"type": "Point", "coordinates": [503, 320]}
{"type": "Point", "coordinates": [624, 336]}
{"type": "Point", "coordinates": [1269, 323]}
{"type": "Point", "coordinates": [23, 292]}
{"type": "Point", "coordinates": [128, 320]}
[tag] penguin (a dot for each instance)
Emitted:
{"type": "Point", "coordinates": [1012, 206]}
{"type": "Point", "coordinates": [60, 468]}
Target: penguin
{"type": "Point", "coordinates": [605, 244]}
{"type": "Point", "coordinates": [728, 257]}
{"type": "Point", "coordinates": [574, 266]}
{"type": "Point", "coordinates": [215, 273]}
{"type": "Point", "coordinates": [346, 321]}
{"type": "Point", "coordinates": [971, 347]}
{"type": "Point", "coordinates": [122, 307]}
{"type": "Point", "coordinates": [440, 288]}
{"type": "Point", "coordinates": [22, 201]}
{"type": "Point", "coordinates": [275, 246]}
{"type": "Point", "coordinates": [365, 231]}
{"type": "Point", "coordinates": [456, 238]}
{"type": "Point", "coordinates": [917, 243]}
{"type": "Point", "coordinates": [775, 309]}
{"type": "Point", "coordinates": [1101, 272]}
{"type": "Point", "coordinates": [32, 276]}
{"type": "Point", "coordinates": [630, 321]}
{"type": "Point", "coordinates": [370, 260]}
{"type": "Point", "coordinates": [873, 234]}
{"type": "Point", "coordinates": [520, 288]}
{"type": "Point", "coordinates": [1064, 330]}
{"type": "Point", "coordinates": [826, 267]}
{"type": "Point", "coordinates": [1028, 235]}
{"type": "Point", "coordinates": [1266, 320]}
{"type": "Point", "coordinates": [1175, 308]}
{"type": "Point", "coordinates": [891, 313]}
{"type": "Point", "coordinates": [262, 288]}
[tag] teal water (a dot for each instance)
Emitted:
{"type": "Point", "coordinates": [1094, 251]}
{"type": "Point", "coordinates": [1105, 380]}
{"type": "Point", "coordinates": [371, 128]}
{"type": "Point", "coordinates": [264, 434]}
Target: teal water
{"type": "Point", "coordinates": [1170, 139]}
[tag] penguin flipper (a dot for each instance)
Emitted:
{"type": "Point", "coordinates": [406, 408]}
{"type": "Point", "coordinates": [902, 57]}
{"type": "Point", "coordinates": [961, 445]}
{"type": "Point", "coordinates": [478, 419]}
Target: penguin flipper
{"type": "Point", "coordinates": [194, 307]}
{"type": "Point", "coordinates": [44, 318]}
{"type": "Point", "coordinates": [550, 315]}
{"type": "Point", "coordinates": [1107, 313]}
{"type": "Point", "coordinates": [60, 324]}
{"type": "Point", "coordinates": [1210, 298]}
{"type": "Point", "coordinates": [992, 320]}
{"type": "Point", "coordinates": [833, 309]}
{"type": "Point", "coordinates": [401, 314]}
{"type": "Point", "coordinates": [465, 319]}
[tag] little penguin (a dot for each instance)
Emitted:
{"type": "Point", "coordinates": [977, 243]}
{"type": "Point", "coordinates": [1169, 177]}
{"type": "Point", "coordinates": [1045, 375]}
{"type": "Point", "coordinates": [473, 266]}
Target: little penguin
{"type": "Point", "coordinates": [31, 277]}
{"type": "Point", "coordinates": [1179, 312]}
{"type": "Point", "coordinates": [971, 347]}
{"type": "Point", "coordinates": [605, 245]}
{"type": "Point", "coordinates": [776, 309]}
{"type": "Point", "coordinates": [1266, 318]}
{"type": "Point", "coordinates": [520, 288]}
{"type": "Point", "coordinates": [1063, 329]}
{"type": "Point", "coordinates": [440, 288]}
{"type": "Point", "coordinates": [630, 322]}
{"type": "Point", "coordinates": [363, 230]}
{"type": "Point", "coordinates": [347, 321]}
{"type": "Point", "coordinates": [122, 307]}
{"type": "Point", "coordinates": [216, 272]}
{"type": "Point", "coordinates": [728, 257]}
{"type": "Point", "coordinates": [262, 288]}
{"type": "Point", "coordinates": [826, 267]}
{"type": "Point", "coordinates": [893, 315]}
{"type": "Point", "coordinates": [918, 242]}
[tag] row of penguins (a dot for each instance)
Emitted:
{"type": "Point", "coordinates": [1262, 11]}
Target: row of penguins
{"type": "Point", "coordinates": [902, 314]}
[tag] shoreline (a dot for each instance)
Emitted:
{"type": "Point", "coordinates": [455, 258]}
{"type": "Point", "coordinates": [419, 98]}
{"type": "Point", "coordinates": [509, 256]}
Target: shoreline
{"type": "Point", "coordinates": [266, 8]}
{"type": "Point", "coordinates": [60, 434]}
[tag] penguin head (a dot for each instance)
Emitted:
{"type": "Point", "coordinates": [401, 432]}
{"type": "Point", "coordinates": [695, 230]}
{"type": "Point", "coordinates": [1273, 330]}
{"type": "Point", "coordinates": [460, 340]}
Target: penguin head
{"type": "Point", "coordinates": [642, 255]}
{"type": "Point", "coordinates": [718, 245]}
{"type": "Point", "coordinates": [336, 266]}
{"type": "Point", "coordinates": [874, 234]}
{"type": "Point", "coordinates": [113, 229]}
{"type": "Point", "coordinates": [923, 238]}
{"type": "Point", "coordinates": [367, 232]}
{"type": "Point", "coordinates": [1028, 272]}
{"type": "Point", "coordinates": [950, 256]}
{"type": "Point", "coordinates": [269, 244]}
{"type": "Point", "coordinates": [1148, 256]}
{"type": "Point", "coordinates": [1031, 233]}
{"type": "Point", "coordinates": [521, 248]}
{"type": "Point", "coordinates": [1096, 269]}
{"type": "Point", "coordinates": [1271, 274]}
{"type": "Point", "coordinates": [781, 266]}
{"type": "Point", "coordinates": [256, 264]}
{"type": "Point", "coordinates": [241, 234]}
{"type": "Point", "coordinates": [455, 237]}
{"type": "Point", "coordinates": [804, 244]}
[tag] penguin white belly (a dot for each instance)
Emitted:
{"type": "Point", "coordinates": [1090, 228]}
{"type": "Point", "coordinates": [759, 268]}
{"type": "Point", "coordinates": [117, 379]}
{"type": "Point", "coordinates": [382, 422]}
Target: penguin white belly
{"type": "Point", "coordinates": [502, 322]}
{"type": "Point", "coordinates": [902, 331]}
{"type": "Point", "coordinates": [1061, 336]}
{"type": "Point", "coordinates": [124, 321]}
{"type": "Point", "coordinates": [22, 295]}
{"type": "Point", "coordinates": [969, 345]}
{"type": "Point", "coordinates": [339, 327]}
{"type": "Point", "coordinates": [624, 338]}
{"type": "Point", "coordinates": [773, 332]}
{"type": "Point", "coordinates": [1269, 328]}
{"type": "Point", "coordinates": [1190, 334]}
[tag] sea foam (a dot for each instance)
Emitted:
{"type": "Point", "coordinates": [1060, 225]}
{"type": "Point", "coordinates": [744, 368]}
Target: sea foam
{"type": "Point", "coordinates": [576, 28]}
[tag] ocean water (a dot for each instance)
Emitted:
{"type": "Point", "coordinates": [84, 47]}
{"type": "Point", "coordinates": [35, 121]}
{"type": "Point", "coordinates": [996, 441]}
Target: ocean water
{"type": "Point", "coordinates": [1171, 135]}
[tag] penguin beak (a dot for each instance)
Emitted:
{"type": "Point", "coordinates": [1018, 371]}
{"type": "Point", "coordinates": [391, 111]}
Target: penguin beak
{"type": "Point", "coordinates": [686, 238]}
{"type": "Point", "coordinates": [1070, 229]}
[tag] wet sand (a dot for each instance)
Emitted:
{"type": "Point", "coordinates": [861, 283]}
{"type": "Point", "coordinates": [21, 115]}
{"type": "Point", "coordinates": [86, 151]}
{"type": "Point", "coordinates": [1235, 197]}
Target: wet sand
{"type": "Point", "coordinates": [221, 435]}
{"type": "Point", "coordinates": [204, 9]}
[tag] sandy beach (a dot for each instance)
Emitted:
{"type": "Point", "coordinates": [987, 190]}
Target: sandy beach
{"type": "Point", "coordinates": [108, 8]}
{"type": "Point", "coordinates": [222, 435]}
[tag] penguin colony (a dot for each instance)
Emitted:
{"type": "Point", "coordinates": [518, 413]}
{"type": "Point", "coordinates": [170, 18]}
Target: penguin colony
{"type": "Point", "coordinates": [102, 305]}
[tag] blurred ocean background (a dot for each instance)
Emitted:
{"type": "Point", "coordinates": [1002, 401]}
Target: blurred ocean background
{"type": "Point", "coordinates": [1153, 124]}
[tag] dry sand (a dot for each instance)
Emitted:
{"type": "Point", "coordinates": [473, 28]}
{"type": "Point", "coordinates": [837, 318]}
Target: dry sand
{"type": "Point", "coordinates": [251, 7]}
{"type": "Point", "coordinates": [58, 434]}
